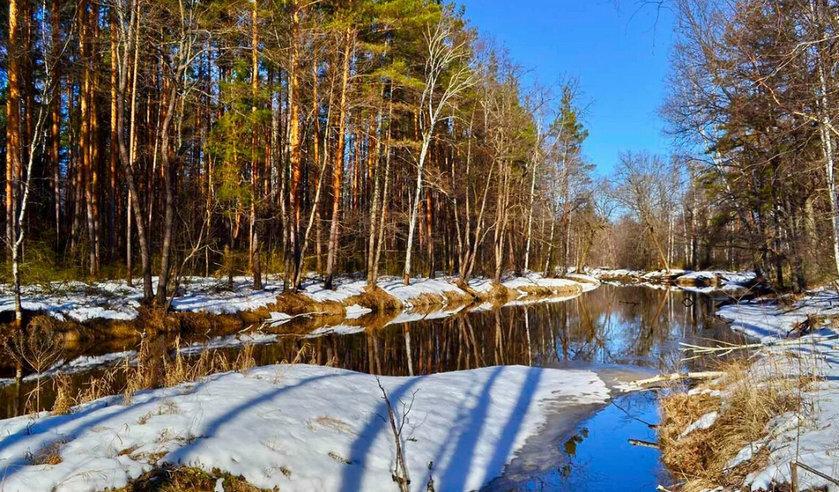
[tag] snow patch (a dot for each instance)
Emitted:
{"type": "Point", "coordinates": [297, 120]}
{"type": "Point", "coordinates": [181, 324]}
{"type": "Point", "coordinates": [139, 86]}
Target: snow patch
{"type": "Point", "coordinates": [324, 425]}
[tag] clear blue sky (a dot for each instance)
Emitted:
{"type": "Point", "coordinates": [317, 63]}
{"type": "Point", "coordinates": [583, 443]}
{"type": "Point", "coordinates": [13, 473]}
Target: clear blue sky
{"type": "Point", "coordinates": [620, 55]}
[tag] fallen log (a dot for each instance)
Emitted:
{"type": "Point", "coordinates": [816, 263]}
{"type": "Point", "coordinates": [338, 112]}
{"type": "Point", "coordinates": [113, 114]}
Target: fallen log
{"type": "Point", "coordinates": [678, 376]}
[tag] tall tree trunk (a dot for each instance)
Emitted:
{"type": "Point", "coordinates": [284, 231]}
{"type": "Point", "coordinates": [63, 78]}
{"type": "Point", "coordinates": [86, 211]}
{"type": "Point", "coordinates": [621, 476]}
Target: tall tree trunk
{"type": "Point", "coordinates": [168, 194]}
{"type": "Point", "coordinates": [338, 167]}
{"type": "Point", "coordinates": [55, 118]}
{"type": "Point", "coordinates": [13, 144]}
{"type": "Point", "coordinates": [296, 151]}
{"type": "Point", "coordinates": [826, 138]}
{"type": "Point", "coordinates": [129, 38]}
{"type": "Point", "coordinates": [255, 194]}
{"type": "Point", "coordinates": [426, 142]}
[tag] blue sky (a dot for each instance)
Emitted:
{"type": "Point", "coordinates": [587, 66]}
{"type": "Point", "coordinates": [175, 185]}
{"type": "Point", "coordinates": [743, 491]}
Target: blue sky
{"type": "Point", "coordinates": [619, 54]}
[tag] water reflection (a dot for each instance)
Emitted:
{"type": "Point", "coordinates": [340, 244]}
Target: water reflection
{"type": "Point", "coordinates": [626, 326]}
{"type": "Point", "coordinates": [634, 326]}
{"type": "Point", "coordinates": [598, 456]}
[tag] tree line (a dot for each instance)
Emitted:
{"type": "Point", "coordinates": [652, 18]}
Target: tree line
{"type": "Point", "coordinates": [753, 99]}
{"type": "Point", "coordinates": [222, 137]}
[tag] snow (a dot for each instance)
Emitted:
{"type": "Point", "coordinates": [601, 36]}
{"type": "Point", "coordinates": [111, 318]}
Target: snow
{"type": "Point", "coordinates": [79, 364]}
{"type": "Point", "coordinates": [701, 423]}
{"type": "Point", "coordinates": [276, 319]}
{"type": "Point", "coordinates": [231, 341]}
{"type": "Point", "coordinates": [535, 280]}
{"type": "Point", "coordinates": [214, 297]}
{"type": "Point", "coordinates": [116, 300]}
{"type": "Point", "coordinates": [345, 288]}
{"type": "Point", "coordinates": [811, 438]}
{"type": "Point", "coordinates": [408, 294]}
{"type": "Point", "coordinates": [724, 280]}
{"type": "Point", "coordinates": [336, 330]}
{"type": "Point", "coordinates": [355, 311]}
{"type": "Point", "coordinates": [299, 427]}
{"type": "Point", "coordinates": [480, 285]}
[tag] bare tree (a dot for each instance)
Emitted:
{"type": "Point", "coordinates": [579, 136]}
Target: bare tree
{"type": "Point", "coordinates": [447, 75]}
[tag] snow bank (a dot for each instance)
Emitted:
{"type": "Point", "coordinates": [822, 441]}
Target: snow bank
{"type": "Point", "coordinates": [813, 437]}
{"type": "Point", "coordinates": [298, 427]}
{"type": "Point", "coordinates": [409, 294]}
{"type": "Point", "coordinates": [704, 281]}
{"type": "Point", "coordinates": [209, 295]}
{"type": "Point", "coordinates": [344, 289]}
{"type": "Point", "coordinates": [116, 300]}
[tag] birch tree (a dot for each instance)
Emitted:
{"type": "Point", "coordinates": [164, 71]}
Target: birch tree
{"type": "Point", "coordinates": [446, 76]}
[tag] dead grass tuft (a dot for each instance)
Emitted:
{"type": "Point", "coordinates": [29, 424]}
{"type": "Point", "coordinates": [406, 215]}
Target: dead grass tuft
{"type": "Point", "coordinates": [749, 403]}
{"type": "Point", "coordinates": [377, 299]}
{"type": "Point", "coordinates": [48, 455]}
{"type": "Point", "coordinates": [296, 303]}
{"type": "Point", "coordinates": [188, 479]}
{"type": "Point", "coordinates": [63, 395]}
{"type": "Point", "coordinates": [499, 294]}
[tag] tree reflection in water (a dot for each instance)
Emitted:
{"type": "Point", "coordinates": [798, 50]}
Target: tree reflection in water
{"type": "Point", "coordinates": [611, 325]}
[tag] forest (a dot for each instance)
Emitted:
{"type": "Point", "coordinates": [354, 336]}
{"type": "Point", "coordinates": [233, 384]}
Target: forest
{"type": "Point", "coordinates": [275, 222]}
{"type": "Point", "coordinates": [231, 137]}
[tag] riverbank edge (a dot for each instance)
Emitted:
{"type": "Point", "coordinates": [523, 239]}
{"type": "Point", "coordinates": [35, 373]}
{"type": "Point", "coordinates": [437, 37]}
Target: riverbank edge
{"type": "Point", "coordinates": [708, 280]}
{"type": "Point", "coordinates": [773, 407]}
{"type": "Point", "coordinates": [335, 423]}
{"type": "Point", "coordinates": [318, 307]}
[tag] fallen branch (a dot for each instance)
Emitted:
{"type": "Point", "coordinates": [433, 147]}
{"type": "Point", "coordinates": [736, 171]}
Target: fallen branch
{"type": "Point", "coordinates": [678, 376]}
{"type": "Point", "coordinates": [645, 444]}
{"type": "Point", "coordinates": [724, 348]}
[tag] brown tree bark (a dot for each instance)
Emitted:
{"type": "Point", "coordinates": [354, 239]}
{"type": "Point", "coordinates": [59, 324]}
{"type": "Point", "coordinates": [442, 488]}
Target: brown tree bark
{"type": "Point", "coordinates": [295, 147]}
{"type": "Point", "coordinates": [255, 195]}
{"type": "Point", "coordinates": [13, 144]}
{"type": "Point", "coordinates": [338, 166]}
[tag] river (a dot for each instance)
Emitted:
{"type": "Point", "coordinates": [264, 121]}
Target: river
{"type": "Point", "coordinates": [612, 330]}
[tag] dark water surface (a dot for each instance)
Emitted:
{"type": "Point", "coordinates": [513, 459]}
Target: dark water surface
{"type": "Point", "coordinates": [608, 330]}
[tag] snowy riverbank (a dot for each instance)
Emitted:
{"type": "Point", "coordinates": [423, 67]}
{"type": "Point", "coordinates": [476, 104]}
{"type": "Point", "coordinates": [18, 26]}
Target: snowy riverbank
{"type": "Point", "coordinates": [116, 300]}
{"type": "Point", "coordinates": [807, 433]}
{"type": "Point", "coordinates": [298, 427]}
{"type": "Point", "coordinates": [704, 281]}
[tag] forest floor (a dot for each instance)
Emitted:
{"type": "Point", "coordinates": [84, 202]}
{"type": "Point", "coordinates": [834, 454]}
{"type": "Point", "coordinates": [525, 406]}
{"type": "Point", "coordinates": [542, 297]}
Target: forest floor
{"type": "Point", "coordinates": [298, 427]}
{"type": "Point", "coordinates": [777, 406]}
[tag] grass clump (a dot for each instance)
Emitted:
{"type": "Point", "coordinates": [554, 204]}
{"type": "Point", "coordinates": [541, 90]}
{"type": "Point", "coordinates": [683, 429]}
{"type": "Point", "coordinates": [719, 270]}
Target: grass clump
{"type": "Point", "coordinates": [748, 403]}
{"type": "Point", "coordinates": [50, 454]}
{"type": "Point", "coordinates": [189, 479]}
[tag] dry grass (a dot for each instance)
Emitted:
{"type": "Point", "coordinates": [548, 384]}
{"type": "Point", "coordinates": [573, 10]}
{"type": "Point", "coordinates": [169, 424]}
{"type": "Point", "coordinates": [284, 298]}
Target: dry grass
{"type": "Point", "coordinates": [296, 303]}
{"type": "Point", "coordinates": [545, 291]}
{"type": "Point", "coordinates": [499, 294]}
{"type": "Point", "coordinates": [187, 479]}
{"type": "Point", "coordinates": [154, 369]}
{"type": "Point", "coordinates": [63, 395]}
{"type": "Point", "coordinates": [48, 455]}
{"type": "Point", "coordinates": [377, 299]}
{"type": "Point", "coordinates": [699, 459]}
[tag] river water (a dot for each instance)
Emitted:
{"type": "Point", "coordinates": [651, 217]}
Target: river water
{"type": "Point", "coordinates": [612, 330]}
